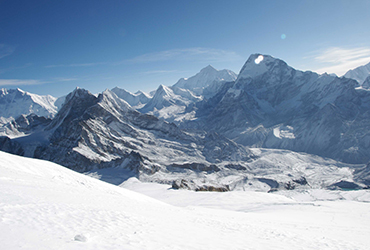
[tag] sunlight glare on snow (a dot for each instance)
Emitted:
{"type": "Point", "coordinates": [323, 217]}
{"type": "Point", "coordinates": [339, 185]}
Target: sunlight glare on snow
{"type": "Point", "coordinates": [259, 59]}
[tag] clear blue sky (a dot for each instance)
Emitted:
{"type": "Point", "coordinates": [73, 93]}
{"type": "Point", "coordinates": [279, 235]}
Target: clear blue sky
{"type": "Point", "coordinates": [52, 46]}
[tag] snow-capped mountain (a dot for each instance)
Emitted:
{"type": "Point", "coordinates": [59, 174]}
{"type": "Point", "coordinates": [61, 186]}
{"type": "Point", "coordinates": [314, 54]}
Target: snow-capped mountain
{"type": "Point", "coordinates": [98, 132]}
{"type": "Point", "coordinates": [359, 73]}
{"type": "Point", "coordinates": [170, 103]}
{"type": "Point", "coordinates": [208, 76]}
{"type": "Point", "coordinates": [16, 102]}
{"type": "Point", "coordinates": [269, 105]}
{"type": "Point", "coordinates": [174, 103]}
{"type": "Point", "coordinates": [136, 100]}
{"type": "Point", "coordinates": [275, 106]}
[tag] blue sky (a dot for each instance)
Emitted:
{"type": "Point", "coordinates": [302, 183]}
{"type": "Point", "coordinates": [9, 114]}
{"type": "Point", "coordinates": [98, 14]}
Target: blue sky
{"type": "Point", "coordinates": [53, 46]}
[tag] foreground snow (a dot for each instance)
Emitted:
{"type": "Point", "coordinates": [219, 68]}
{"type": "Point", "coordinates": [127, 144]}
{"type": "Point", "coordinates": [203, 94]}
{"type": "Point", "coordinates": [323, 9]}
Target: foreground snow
{"type": "Point", "coordinates": [46, 206]}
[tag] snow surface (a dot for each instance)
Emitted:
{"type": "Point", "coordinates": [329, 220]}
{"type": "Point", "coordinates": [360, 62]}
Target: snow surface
{"type": "Point", "coordinates": [46, 206]}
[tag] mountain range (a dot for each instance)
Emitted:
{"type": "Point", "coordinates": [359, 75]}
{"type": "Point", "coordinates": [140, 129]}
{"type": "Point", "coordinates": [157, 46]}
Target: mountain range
{"type": "Point", "coordinates": [203, 133]}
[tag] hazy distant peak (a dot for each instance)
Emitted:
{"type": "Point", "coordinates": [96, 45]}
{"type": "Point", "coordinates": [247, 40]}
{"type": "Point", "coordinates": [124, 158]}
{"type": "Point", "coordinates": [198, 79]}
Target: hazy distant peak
{"type": "Point", "coordinates": [204, 78]}
{"type": "Point", "coordinates": [16, 102]}
{"type": "Point", "coordinates": [138, 98]}
{"type": "Point", "coordinates": [359, 73]}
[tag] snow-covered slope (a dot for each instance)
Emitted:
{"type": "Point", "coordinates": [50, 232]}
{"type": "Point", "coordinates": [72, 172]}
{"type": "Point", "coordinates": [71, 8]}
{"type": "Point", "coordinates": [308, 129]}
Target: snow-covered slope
{"type": "Point", "coordinates": [16, 102]}
{"type": "Point", "coordinates": [46, 206]}
{"type": "Point", "coordinates": [359, 73]}
{"type": "Point", "coordinates": [135, 100]}
{"type": "Point", "coordinates": [206, 77]}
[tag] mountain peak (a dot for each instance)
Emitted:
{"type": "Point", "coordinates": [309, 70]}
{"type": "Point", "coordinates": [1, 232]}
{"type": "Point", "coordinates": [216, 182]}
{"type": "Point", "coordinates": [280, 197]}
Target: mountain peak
{"type": "Point", "coordinates": [163, 91]}
{"type": "Point", "coordinates": [258, 64]}
{"type": "Point", "coordinates": [138, 98]}
{"type": "Point", "coordinates": [209, 68]}
{"type": "Point", "coordinates": [16, 102]}
{"type": "Point", "coordinates": [204, 78]}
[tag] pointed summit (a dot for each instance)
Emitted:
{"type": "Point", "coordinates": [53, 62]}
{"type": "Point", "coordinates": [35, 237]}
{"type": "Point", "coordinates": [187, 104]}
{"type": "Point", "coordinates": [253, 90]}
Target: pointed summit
{"type": "Point", "coordinates": [204, 78]}
{"type": "Point", "coordinates": [258, 64]}
{"type": "Point", "coordinates": [209, 68]}
{"type": "Point", "coordinates": [137, 99]}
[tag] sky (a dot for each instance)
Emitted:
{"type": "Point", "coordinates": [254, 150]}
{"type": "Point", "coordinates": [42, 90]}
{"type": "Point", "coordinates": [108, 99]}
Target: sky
{"type": "Point", "coordinates": [53, 46]}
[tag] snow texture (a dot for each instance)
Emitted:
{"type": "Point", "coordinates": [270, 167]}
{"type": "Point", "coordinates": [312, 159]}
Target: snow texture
{"type": "Point", "coordinates": [46, 206]}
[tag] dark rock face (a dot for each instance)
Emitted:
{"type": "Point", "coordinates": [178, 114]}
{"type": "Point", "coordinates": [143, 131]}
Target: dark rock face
{"type": "Point", "coordinates": [301, 181]}
{"type": "Point", "coordinates": [346, 185]}
{"type": "Point", "coordinates": [196, 167]}
{"type": "Point", "coordinates": [10, 146]}
{"type": "Point", "coordinates": [189, 185]}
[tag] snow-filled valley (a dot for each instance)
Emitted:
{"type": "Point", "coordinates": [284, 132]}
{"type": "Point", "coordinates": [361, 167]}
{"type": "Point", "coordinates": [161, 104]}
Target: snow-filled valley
{"type": "Point", "coordinates": [46, 206]}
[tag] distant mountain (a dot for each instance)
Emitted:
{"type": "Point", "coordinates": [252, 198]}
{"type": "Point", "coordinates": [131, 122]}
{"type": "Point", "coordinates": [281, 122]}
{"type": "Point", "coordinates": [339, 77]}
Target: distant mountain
{"type": "Point", "coordinates": [359, 73]}
{"type": "Point", "coordinates": [135, 100]}
{"type": "Point", "coordinates": [170, 103]}
{"type": "Point", "coordinates": [174, 103]}
{"type": "Point", "coordinates": [16, 102]}
{"type": "Point", "coordinates": [206, 77]}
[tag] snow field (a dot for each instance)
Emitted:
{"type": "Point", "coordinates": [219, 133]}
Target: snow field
{"type": "Point", "coordinates": [46, 206]}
